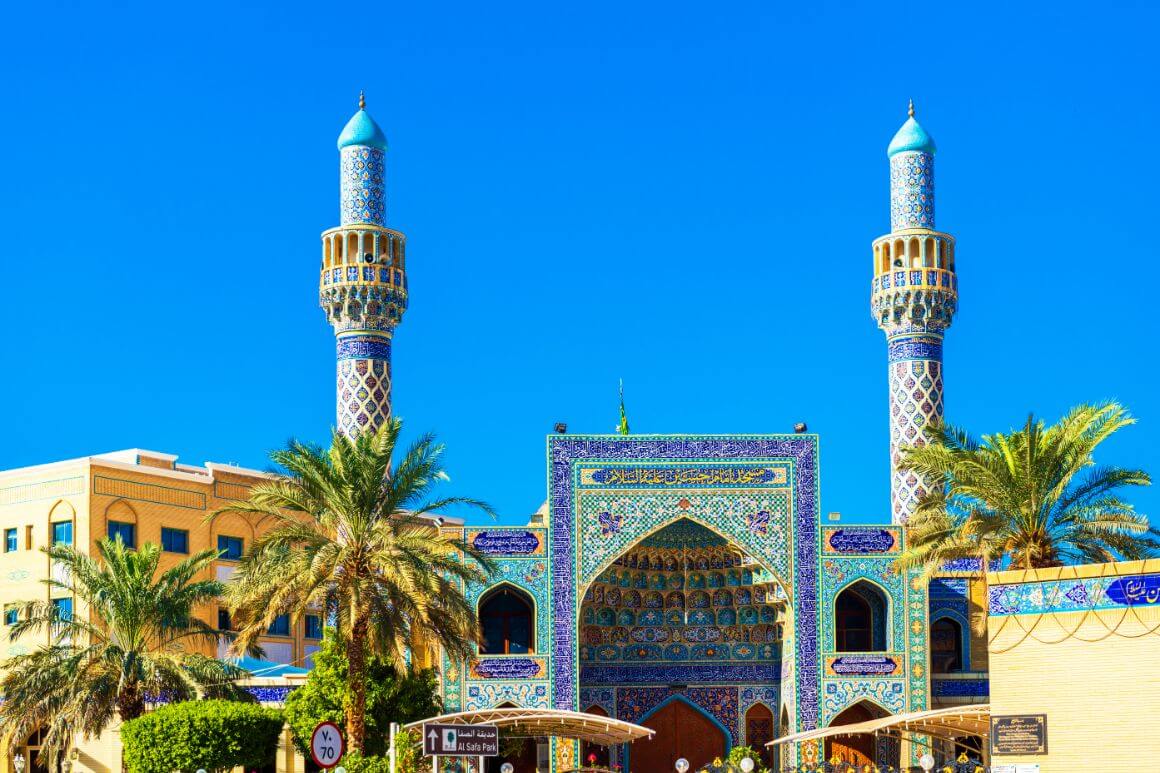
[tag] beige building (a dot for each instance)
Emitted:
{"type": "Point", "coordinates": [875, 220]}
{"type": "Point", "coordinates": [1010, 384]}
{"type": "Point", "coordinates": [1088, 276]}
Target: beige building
{"type": "Point", "coordinates": [145, 497]}
{"type": "Point", "coordinates": [1073, 658]}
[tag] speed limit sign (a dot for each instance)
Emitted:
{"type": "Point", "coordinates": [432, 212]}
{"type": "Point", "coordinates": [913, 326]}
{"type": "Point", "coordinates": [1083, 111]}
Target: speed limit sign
{"type": "Point", "coordinates": [326, 746]}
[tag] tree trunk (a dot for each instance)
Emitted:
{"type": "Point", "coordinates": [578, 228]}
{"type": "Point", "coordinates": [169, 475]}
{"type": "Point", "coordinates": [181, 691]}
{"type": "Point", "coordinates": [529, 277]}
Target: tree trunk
{"type": "Point", "coordinates": [130, 703]}
{"type": "Point", "coordinates": [356, 654]}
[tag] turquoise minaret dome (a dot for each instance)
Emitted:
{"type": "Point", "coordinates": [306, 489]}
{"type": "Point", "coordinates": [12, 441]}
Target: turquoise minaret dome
{"type": "Point", "coordinates": [362, 150]}
{"type": "Point", "coordinates": [911, 137]}
{"type": "Point", "coordinates": [361, 129]}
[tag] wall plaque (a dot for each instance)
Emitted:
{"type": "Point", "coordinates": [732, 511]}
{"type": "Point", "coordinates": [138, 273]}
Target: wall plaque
{"type": "Point", "coordinates": [1019, 734]}
{"type": "Point", "coordinates": [860, 541]}
{"type": "Point", "coordinates": [863, 665]}
{"type": "Point", "coordinates": [508, 668]}
{"type": "Point", "coordinates": [503, 542]}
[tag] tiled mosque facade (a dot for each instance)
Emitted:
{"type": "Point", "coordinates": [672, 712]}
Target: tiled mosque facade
{"type": "Point", "coordinates": [695, 570]}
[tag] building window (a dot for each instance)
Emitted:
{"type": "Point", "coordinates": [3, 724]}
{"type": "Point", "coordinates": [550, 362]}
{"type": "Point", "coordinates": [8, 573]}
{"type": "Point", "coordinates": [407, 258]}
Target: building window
{"type": "Point", "coordinates": [63, 608]}
{"type": "Point", "coordinates": [231, 548]}
{"type": "Point", "coordinates": [11, 540]}
{"type": "Point", "coordinates": [11, 615]}
{"type": "Point", "coordinates": [946, 646]}
{"type": "Point", "coordinates": [174, 540]}
{"type": "Point", "coordinates": [505, 614]}
{"type": "Point", "coordinates": [224, 622]}
{"type": "Point", "coordinates": [280, 626]}
{"type": "Point", "coordinates": [62, 533]}
{"type": "Point", "coordinates": [126, 532]}
{"type": "Point", "coordinates": [313, 627]}
{"type": "Point", "coordinates": [860, 619]}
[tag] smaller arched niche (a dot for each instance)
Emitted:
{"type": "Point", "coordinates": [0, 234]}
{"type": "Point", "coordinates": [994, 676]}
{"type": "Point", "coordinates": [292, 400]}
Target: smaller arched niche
{"type": "Point", "coordinates": [861, 619]}
{"type": "Point", "coordinates": [946, 646]}
{"type": "Point", "coordinates": [507, 618]}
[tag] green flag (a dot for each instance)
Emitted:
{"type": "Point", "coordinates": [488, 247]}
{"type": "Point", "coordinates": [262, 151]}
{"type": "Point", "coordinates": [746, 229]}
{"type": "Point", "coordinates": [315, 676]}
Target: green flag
{"type": "Point", "coordinates": [622, 428]}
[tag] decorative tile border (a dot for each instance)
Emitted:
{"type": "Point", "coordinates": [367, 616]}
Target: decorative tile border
{"type": "Point", "coordinates": [566, 452]}
{"type": "Point", "coordinates": [1076, 595]}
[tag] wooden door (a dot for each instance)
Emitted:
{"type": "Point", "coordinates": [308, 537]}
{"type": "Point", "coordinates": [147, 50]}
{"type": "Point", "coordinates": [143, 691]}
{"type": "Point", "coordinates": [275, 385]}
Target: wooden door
{"type": "Point", "coordinates": [681, 731]}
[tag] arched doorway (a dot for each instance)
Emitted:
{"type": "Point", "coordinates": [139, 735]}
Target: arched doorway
{"type": "Point", "coordinates": [856, 749]}
{"type": "Point", "coordinates": [759, 731]}
{"type": "Point", "coordinates": [520, 752]}
{"type": "Point", "coordinates": [682, 730]}
{"type": "Point", "coordinates": [591, 754]}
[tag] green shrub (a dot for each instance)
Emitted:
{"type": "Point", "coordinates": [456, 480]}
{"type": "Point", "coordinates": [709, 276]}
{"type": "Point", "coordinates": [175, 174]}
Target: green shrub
{"type": "Point", "coordinates": [213, 734]}
{"type": "Point", "coordinates": [390, 697]}
{"type": "Point", "coordinates": [738, 753]}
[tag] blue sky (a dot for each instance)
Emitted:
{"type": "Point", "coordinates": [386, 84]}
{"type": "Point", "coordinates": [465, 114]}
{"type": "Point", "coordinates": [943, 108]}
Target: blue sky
{"type": "Point", "coordinates": [679, 195]}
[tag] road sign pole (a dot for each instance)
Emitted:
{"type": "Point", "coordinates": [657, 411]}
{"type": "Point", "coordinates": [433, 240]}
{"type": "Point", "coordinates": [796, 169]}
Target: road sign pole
{"type": "Point", "coordinates": [393, 755]}
{"type": "Point", "coordinates": [434, 765]}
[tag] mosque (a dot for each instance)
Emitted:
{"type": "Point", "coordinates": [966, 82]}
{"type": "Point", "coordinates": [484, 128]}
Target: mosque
{"type": "Point", "coordinates": [688, 582]}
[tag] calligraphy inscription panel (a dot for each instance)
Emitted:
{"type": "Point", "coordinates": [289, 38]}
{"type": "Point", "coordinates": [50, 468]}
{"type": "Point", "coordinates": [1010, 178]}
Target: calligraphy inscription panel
{"type": "Point", "coordinates": [864, 665]}
{"type": "Point", "coordinates": [508, 668]}
{"type": "Point", "coordinates": [860, 541]}
{"type": "Point", "coordinates": [683, 476]}
{"type": "Point", "coordinates": [506, 542]}
{"type": "Point", "coordinates": [1019, 734]}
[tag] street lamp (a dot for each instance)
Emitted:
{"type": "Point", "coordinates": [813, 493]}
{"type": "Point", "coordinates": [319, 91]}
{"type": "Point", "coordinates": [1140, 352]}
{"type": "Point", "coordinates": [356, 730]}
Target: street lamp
{"type": "Point", "coordinates": [682, 765]}
{"type": "Point", "coordinates": [506, 768]}
{"type": "Point", "coordinates": [926, 762]}
{"type": "Point", "coordinates": [746, 765]}
{"type": "Point", "coordinates": [18, 762]}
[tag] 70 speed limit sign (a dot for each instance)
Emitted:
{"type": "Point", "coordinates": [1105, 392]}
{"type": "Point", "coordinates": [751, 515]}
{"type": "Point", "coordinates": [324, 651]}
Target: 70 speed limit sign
{"type": "Point", "coordinates": [326, 745]}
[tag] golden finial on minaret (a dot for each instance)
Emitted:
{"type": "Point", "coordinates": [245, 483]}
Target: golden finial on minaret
{"type": "Point", "coordinates": [910, 110]}
{"type": "Point", "coordinates": [362, 103]}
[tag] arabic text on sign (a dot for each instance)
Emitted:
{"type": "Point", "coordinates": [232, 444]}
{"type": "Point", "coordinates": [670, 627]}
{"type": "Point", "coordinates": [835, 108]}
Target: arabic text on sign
{"type": "Point", "coordinates": [1135, 591]}
{"type": "Point", "coordinates": [854, 665]}
{"type": "Point", "coordinates": [506, 668]}
{"type": "Point", "coordinates": [861, 541]}
{"type": "Point", "coordinates": [688, 476]}
{"type": "Point", "coordinates": [506, 542]}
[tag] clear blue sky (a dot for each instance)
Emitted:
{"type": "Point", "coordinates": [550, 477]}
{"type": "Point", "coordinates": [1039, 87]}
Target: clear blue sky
{"type": "Point", "coordinates": [682, 196]}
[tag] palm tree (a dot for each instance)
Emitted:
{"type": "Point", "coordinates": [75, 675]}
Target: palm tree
{"type": "Point", "coordinates": [131, 646]}
{"type": "Point", "coordinates": [349, 536]}
{"type": "Point", "coordinates": [1034, 496]}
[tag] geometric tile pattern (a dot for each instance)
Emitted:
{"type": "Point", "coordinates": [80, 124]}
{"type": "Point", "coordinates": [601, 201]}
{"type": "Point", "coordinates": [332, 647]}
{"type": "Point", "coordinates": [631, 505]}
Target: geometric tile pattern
{"type": "Point", "coordinates": [363, 394]}
{"type": "Point", "coordinates": [623, 518]}
{"type": "Point", "coordinates": [586, 536]}
{"type": "Point", "coordinates": [916, 399]}
{"type": "Point", "coordinates": [890, 694]}
{"type": "Point", "coordinates": [363, 185]}
{"type": "Point", "coordinates": [911, 191]}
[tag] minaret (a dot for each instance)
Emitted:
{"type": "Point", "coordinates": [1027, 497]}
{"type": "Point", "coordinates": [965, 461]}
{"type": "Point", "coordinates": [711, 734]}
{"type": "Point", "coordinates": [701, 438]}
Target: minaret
{"type": "Point", "coordinates": [913, 298]}
{"type": "Point", "coordinates": [363, 287]}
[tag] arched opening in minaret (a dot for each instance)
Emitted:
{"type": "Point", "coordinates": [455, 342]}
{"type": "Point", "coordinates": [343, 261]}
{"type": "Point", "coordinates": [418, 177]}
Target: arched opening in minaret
{"type": "Point", "coordinates": [673, 624]}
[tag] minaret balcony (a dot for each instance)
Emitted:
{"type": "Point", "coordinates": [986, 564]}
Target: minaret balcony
{"type": "Point", "coordinates": [364, 255]}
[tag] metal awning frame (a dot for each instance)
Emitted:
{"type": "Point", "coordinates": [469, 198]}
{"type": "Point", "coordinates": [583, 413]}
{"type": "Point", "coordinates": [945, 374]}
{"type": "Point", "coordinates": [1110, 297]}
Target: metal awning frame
{"type": "Point", "coordinates": [944, 724]}
{"type": "Point", "coordinates": [531, 723]}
